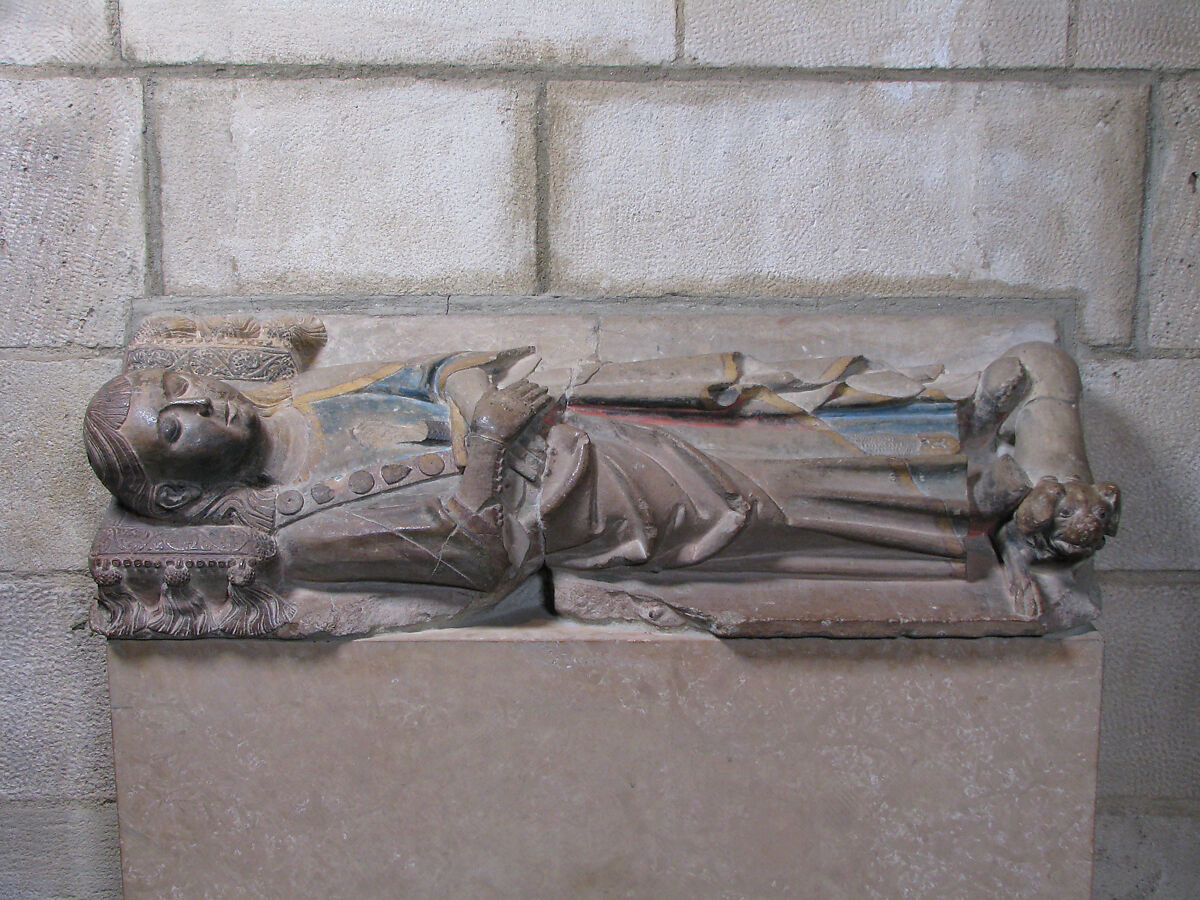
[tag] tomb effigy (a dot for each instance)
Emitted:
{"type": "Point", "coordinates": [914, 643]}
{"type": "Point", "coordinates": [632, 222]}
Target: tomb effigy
{"type": "Point", "coordinates": [719, 491]}
{"type": "Point", "coordinates": [508, 606]}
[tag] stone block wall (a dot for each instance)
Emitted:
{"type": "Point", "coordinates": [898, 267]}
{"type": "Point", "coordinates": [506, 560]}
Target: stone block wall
{"type": "Point", "coordinates": [964, 156]}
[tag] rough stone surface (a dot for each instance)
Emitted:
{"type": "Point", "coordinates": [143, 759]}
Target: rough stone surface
{"type": "Point", "coordinates": [53, 702]}
{"type": "Point", "coordinates": [52, 501]}
{"type": "Point", "coordinates": [54, 31]}
{"type": "Point", "coordinates": [850, 189]}
{"type": "Point", "coordinates": [1172, 276]}
{"type": "Point", "coordinates": [1146, 857]}
{"type": "Point", "coordinates": [1146, 34]}
{"type": "Point", "coordinates": [72, 238]}
{"type": "Point", "coordinates": [423, 186]}
{"type": "Point", "coordinates": [67, 851]}
{"type": "Point", "coordinates": [1139, 419]}
{"type": "Point", "coordinates": [394, 31]}
{"type": "Point", "coordinates": [585, 764]}
{"type": "Point", "coordinates": [1150, 732]}
{"type": "Point", "coordinates": [928, 33]}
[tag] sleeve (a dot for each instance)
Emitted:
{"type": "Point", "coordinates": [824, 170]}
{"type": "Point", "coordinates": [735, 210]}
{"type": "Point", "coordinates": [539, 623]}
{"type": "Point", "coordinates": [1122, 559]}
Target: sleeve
{"type": "Point", "coordinates": [408, 540]}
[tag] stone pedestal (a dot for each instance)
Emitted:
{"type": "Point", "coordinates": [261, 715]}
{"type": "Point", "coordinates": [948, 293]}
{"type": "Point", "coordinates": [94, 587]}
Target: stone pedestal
{"type": "Point", "coordinates": [574, 761]}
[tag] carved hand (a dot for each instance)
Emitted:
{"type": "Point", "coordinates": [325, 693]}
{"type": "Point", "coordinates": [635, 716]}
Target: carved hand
{"type": "Point", "coordinates": [501, 413]}
{"type": "Point", "coordinates": [1068, 520]}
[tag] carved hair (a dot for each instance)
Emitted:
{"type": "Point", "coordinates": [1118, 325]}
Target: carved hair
{"type": "Point", "coordinates": [235, 504]}
{"type": "Point", "coordinates": [112, 458]}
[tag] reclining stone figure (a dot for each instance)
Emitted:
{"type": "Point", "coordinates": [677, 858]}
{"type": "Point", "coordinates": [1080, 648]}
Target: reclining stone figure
{"type": "Point", "coordinates": [676, 491]}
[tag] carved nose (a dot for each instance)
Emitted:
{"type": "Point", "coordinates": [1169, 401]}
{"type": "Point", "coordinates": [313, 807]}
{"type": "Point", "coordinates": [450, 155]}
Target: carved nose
{"type": "Point", "coordinates": [1086, 528]}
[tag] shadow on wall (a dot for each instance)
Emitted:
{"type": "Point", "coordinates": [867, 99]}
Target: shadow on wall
{"type": "Point", "coordinates": [1151, 452]}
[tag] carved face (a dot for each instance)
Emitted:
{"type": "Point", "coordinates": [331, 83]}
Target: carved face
{"type": "Point", "coordinates": [1071, 519]}
{"type": "Point", "coordinates": [1083, 516]}
{"type": "Point", "coordinates": [190, 428]}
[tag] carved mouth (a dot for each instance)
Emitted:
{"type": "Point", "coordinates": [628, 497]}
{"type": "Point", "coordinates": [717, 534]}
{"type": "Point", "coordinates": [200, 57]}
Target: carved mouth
{"type": "Point", "coordinates": [1069, 548]}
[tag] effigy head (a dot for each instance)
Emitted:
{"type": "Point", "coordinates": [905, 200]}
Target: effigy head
{"type": "Point", "coordinates": [159, 439]}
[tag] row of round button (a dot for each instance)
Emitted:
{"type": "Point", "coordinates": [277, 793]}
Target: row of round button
{"type": "Point", "coordinates": [361, 482]}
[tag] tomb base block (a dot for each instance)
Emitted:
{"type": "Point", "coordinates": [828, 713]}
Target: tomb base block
{"type": "Point", "coordinates": [822, 607]}
{"type": "Point", "coordinates": [567, 760]}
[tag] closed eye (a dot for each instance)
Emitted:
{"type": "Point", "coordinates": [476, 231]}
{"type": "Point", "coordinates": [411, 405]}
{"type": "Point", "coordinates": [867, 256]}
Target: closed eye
{"type": "Point", "coordinates": [169, 428]}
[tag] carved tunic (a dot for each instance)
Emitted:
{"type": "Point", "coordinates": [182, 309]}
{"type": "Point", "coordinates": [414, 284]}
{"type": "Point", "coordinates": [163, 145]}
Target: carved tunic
{"type": "Point", "coordinates": [394, 418]}
{"type": "Point", "coordinates": [616, 493]}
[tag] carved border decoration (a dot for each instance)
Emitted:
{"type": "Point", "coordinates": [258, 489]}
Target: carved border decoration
{"type": "Point", "coordinates": [154, 579]}
{"type": "Point", "coordinates": [236, 348]}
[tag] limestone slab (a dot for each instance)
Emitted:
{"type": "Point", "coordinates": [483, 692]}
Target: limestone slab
{"type": "Point", "coordinates": [1151, 717]}
{"type": "Point", "coordinates": [378, 186]}
{"type": "Point", "coordinates": [72, 228]}
{"type": "Point", "coordinates": [378, 31]}
{"type": "Point", "coordinates": [951, 189]}
{"type": "Point", "coordinates": [42, 462]}
{"type": "Point", "coordinates": [53, 704]}
{"type": "Point", "coordinates": [561, 341]}
{"type": "Point", "coordinates": [962, 343]}
{"type": "Point", "coordinates": [1139, 421]}
{"type": "Point", "coordinates": [54, 31]}
{"type": "Point", "coordinates": [1138, 34]}
{"type": "Point", "coordinates": [928, 33]}
{"type": "Point", "coordinates": [562, 762]}
{"type": "Point", "coordinates": [1171, 281]}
